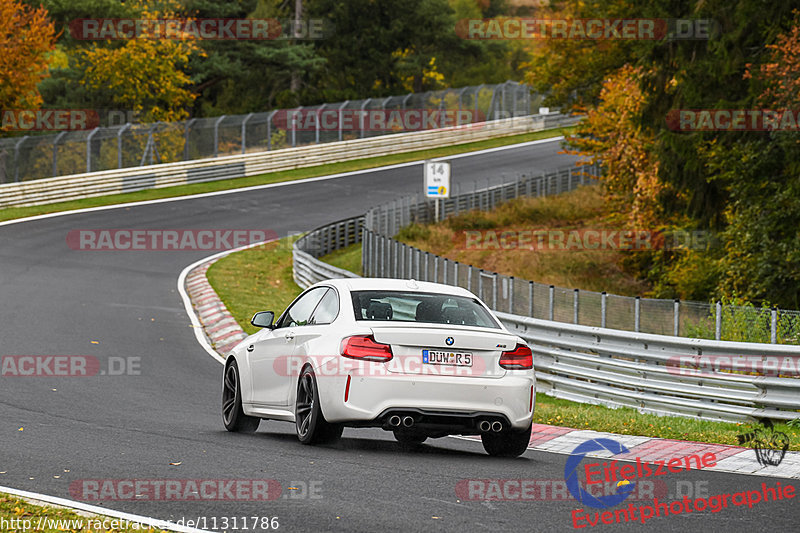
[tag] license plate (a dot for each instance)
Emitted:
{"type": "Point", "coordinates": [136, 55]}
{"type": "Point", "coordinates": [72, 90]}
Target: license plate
{"type": "Point", "coordinates": [437, 357]}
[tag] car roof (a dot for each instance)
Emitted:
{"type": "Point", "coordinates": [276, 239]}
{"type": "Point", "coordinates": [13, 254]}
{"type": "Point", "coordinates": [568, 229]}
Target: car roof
{"type": "Point", "coordinates": [388, 284]}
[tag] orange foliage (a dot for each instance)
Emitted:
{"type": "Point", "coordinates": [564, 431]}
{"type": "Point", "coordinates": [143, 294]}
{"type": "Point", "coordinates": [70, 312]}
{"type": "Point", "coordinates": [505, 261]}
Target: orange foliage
{"type": "Point", "coordinates": [26, 36]}
{"type": "Point", "coordinates": [612, 135]}
{"type": "Point", "coordinates": [781, 72]}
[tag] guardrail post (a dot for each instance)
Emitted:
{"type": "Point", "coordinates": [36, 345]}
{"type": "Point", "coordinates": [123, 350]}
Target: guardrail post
{"type": "Point", "coordinates": [676, 312]}
{"type": "Point", "coordinates": [575, 304]}
{"type": "Point", "coordinates": [603, 308]}
{"type": "Point", "coordinates": [511, 295]}
{"type": "Point", "coordinates": [552, 302]}
{"type": "Point", "coordinates": [773, 329]}
{"type": "Point", "coordinates": [88, 149]}
{"type": "Point", "coordinates": [530, 299]}
{"type": "Point", "coordinates": [119, 144]}
{"type": "Point", "coordinates": [636, 312]}
{"type": "Point", "coordinates": [55, 152]}
{"type": "Point", "coordinates": [216, 134]}
{"type": "Point", "coordinates": [244, 131]}
{"type": "Point", "coordinates": [718, 321]}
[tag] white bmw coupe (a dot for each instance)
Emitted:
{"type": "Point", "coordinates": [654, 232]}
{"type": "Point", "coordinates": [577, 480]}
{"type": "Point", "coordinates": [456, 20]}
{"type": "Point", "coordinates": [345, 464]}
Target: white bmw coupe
{"type": "Point", "coordinates": [422, 360]}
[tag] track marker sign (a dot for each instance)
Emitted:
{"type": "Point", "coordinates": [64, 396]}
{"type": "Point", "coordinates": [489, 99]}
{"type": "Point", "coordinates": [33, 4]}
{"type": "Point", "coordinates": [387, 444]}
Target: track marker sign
{"type": "Point", "coordinates": [437, 179]}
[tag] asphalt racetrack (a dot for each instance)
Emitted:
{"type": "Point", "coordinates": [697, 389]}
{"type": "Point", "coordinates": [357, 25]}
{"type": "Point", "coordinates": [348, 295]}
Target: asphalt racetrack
{"type": "Point", "coordinates": [57, 433]}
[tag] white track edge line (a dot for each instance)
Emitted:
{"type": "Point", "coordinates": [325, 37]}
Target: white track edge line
{"type": "Point", "coordinates": [271, 185]}
{"type": "Point", "coordinates": [143, 520]}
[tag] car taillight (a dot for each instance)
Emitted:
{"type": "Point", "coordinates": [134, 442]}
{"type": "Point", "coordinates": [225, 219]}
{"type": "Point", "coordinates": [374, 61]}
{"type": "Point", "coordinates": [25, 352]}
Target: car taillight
{"type": "Point", "coordinates": [365, 348]}
{"type": "Point", "coordinates": [520, 358]}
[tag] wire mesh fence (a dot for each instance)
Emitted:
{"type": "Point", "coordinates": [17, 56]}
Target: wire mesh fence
{"type": "Point", "coordinates": [383, 256]}
{"type": "Point", "coordinates": [32, 157]}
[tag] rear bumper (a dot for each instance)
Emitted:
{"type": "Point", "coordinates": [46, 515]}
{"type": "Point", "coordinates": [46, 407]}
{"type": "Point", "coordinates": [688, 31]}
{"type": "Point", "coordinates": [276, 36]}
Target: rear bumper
{"type": "Point", "coordinates": [459, 402]}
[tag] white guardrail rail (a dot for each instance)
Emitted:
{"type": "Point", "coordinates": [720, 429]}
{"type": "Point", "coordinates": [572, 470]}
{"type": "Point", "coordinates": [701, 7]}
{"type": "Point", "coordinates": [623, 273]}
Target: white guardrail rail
{"type": "Point", "coordinates": [653, 373]}
{"type": "Point", "coordinates": [76, 186]}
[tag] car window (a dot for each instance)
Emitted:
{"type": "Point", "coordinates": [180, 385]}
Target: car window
{"type": "Point", "coordinates": [300, 311]}
{"type": "Point", "coordinates": [422, 307]}
{"type": "Point", "coordinates": [327, 310]}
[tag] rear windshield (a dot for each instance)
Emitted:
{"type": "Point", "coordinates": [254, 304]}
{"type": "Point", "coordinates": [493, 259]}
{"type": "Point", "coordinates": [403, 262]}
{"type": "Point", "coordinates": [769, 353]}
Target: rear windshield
{"type": "Point", "coordinates": [428, 308]}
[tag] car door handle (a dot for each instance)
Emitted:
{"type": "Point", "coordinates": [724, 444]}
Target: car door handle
{"type": "Point", "coordinates": [251, 348]}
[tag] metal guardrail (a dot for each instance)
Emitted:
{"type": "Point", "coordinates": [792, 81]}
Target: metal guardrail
{"type": "Point", "coordinates": [51, 190]}
{"type": "Point", "coordinates": [656, 373]}
{"type": "Point", "coordinates": [132, 144]}
{"type": "Point", "coordinates": [590, 364]}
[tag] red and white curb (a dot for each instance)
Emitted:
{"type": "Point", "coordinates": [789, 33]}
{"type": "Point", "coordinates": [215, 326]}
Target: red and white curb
{"type": "Point", "coordinates": [222, 330]}
{"type": "Point", "coordinates": [730, 459]}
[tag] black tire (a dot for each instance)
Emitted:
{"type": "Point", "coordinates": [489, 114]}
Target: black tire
{"type": "Point", "coordinates": [405, 437]}
{"type": "Point", "coordinates": [310, 424]}
{"type": "Point", "coordinates": [508, 443]}
{"type": "Point", "coordinates": [232, 414]}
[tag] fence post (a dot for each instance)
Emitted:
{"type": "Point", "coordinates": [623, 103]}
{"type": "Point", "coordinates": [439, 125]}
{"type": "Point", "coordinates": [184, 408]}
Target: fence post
{"type": "Point", "coordinates": [341, 117]}
{"type": "Point", "coordinates": [55, 152]}
{"type": "Point", "coordinates": [511, 295]}
{"type": "Point", "coordinates": [603, 308]}
{"type": "Point", "coordinates": [718, 321]}
{"type": "Point", "coordinates": [575, 304]}
{"type": "Point", "coordinates": [244, 131]}
{"type": "Point", "coordinates": [494, 292]}
{"type": "Point", "coordinates": [530, 299]}
{"type": "Point", "coordinates": [216, 134]}
{"type": "Point", "coordinates": [469, 278]}
{"type": "Point", "coordinates": [364, 255]}
{"type": "Point", "coordinates": [636, 311]}
{"type": "Point", "coordinates": [552, 301]}
{"type": "Point", "coordinates": [676, 318]}
{"type": "Point", "coordinates": [436, 269]}
{"type": "Point", "coordinates": [119, 146]}
{"type": "Point", "coordinates": [269, 129]}
{"type": "Point", "coordinates": [186, 126]}
{"type": "Point", "coordinates": [444, 271]}
{"type": "Point", "coordinates": [480, 283]}
{"type": "Point", "coordinates": [88, 149]}
{"type": "Point", "coordinates": [319, 117]}
{"type": "Point", "coordinates": [773, 329]}
{"type": "Point", "coordinates": [427, 255]}
{"type": "Point", "coordinates": [455, 274]}
{"type": "Point", "coordinates": [363, 107]}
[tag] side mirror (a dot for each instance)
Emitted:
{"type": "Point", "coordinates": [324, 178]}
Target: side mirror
{"type": "Point", "coordinates": [263, 319]}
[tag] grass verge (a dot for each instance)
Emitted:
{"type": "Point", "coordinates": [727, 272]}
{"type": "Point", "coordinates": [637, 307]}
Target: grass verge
{"type": "Point", "coordinates": [10, 213]}
{"type": "Point", "coordinates": [261, 280]}
{"type": "Point", "coordinates": [21, 515]}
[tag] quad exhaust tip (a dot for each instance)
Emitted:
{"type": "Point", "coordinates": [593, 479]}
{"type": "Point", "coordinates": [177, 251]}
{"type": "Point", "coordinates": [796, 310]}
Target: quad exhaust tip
{"type": "Point", "coordinates": [485, 426]}
{"type": "Point", "coordinates": [394, 421]}
{"type": "Point", "coordinates": [497, 426]}
{"type": "Point", "coordinates": [408, 421]}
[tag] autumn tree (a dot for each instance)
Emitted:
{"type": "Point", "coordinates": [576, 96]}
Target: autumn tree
{"type": "Point", "coordinates": [26, 37]}
{"type": "Point", "coordinates": [144, 75]}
